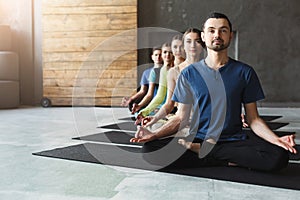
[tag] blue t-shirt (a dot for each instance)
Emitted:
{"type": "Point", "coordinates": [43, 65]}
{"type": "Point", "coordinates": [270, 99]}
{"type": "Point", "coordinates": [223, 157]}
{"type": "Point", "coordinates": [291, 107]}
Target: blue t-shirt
{"type": "Point", "coordinates": [154, 78]}
{"type": "Point", "coordinates": [145, 77]}
{"type": "Point", "coordinates": [217, 97]}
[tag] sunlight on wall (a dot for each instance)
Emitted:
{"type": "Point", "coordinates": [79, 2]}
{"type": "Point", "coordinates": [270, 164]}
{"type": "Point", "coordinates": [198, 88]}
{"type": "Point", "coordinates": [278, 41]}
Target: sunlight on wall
{"type": "Point", "coordinates": [10, 11]}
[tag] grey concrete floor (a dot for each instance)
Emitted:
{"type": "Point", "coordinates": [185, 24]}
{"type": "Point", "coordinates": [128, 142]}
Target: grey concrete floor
{"type": "Point", "coordinates": [32, 129]}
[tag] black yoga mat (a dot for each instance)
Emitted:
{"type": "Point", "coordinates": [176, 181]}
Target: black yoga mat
{"type": "Point", "coordinates": [132, 118]}
{"type": "Point", "coordinates": [118, 137]}
{"type": "Point", "coordinates": [288, 178]}
{"type": "Point", "coordinates": [130, 126]}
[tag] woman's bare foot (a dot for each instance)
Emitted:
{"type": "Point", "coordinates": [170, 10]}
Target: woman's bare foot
{"type": "Point", "coordinates": [195, 147]}
{"type": "Point", "coordinates": [232, 164]}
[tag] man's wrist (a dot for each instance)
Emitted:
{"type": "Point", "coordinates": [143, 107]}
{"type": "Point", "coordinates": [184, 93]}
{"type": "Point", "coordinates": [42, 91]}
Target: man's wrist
{"type": "Point", "coordinates": [130, 100]}
{"type": "Point", "coordinates": [155, 136]}
{"type": "Point", "coordinates": [154, 119]}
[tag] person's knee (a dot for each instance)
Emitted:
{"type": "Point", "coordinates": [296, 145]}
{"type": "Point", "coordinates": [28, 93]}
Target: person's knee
{"type": "Point", "coordinates": [149, 147]}
{"type": "Point", "coordinates": [278, 161]}
{"type": "Point", "coordinates": [163, 153]}
{"type": "Point", "coordinates": [149, 150]}
{"type": "Point", "coordinates": [152, 155]}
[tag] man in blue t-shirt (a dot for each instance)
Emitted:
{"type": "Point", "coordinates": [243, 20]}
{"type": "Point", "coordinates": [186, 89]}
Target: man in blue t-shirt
{"type": "Point", "coordinates": [215, 89]}
{"type": "Point", "coordinates": [146, 80]}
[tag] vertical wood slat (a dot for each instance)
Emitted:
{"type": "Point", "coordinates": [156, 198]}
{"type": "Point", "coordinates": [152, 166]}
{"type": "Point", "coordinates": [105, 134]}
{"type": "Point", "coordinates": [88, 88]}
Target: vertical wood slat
{"type": "Point", "coordinates": [89, 51]}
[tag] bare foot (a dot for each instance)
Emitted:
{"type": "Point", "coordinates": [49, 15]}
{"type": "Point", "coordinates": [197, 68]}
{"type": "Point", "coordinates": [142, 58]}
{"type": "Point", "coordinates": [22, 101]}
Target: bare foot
{"type": "Point", "coordinates": [195, 147]}
{"type": "Point", "coordinates": [232, 164]}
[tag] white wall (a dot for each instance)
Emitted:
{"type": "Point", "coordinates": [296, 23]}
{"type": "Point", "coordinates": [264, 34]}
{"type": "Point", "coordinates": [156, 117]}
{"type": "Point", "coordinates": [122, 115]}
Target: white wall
{"type": "Point", "coordinates": [19, 15]}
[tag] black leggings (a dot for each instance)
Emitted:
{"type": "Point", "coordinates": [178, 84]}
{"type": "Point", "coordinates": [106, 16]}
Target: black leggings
{"type": "Point", "coordinates": [253, 153]}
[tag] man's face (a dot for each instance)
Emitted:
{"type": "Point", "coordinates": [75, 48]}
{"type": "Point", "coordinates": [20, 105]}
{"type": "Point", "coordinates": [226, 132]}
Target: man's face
{"type": "Point", "coordinates": [216, 34]}
{"type": "Point", "coordinates": [156, 57]}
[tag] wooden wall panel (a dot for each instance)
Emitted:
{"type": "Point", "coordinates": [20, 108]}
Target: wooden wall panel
{"type": "Point", "coordinates": [89, 51]}
{"type": "Point", "coordinates": [74, 3]}
{"type": "Point", "coordinates": [62, 101]}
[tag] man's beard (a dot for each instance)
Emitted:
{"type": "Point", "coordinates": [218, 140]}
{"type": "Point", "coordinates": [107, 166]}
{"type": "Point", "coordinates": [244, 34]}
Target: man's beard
{"type": "Point", "coordinates": [219, 47]}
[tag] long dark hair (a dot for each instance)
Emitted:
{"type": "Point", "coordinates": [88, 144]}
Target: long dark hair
{"type": "Point", "coordinates": [193, 30]}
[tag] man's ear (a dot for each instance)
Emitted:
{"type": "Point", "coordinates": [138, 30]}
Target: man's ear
{"type": "Point", "coordinates": [231, 35]}
{"type": "Point", "coordinates": [152, 56]}
{"type": "Point", "coordinates": [202, 36]}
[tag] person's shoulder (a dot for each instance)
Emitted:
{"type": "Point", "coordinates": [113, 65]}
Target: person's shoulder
{"type": "Point", "coordinates": [173, 72]}
{"type": "Point", "coordinates": [240, 65]}
{"type": "Point", "coordinates": [148, 70]}
{"type": "Point", "coordinates": [174, 69]}
{"type": "Point", "coordinates": [163, 69]}
{"type": "Point", "coordinates": [192, 67]}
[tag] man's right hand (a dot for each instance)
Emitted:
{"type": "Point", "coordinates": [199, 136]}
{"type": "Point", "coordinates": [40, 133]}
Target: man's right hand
{"type": "Point", "coordinates": [148, 121]}
{"type": "Point", "coordinates": [143, 135]}
{"type": "Point", "coordinates": [245, 125]}
{"type": "Point", "coordinates": [125, 101]}
{"type": "Point", "coordinates": [288, 143]}
{"type": "Point", "coordinates": [139, 119]}
{"type": "Point", "coordinates": [135, 108]}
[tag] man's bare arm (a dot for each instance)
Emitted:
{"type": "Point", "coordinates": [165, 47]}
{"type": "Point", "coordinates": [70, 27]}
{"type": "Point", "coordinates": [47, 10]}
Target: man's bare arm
{"type": "Point", "coordinates": [260, 128]}
{"type": "Point", "coordinates": [179, 121]}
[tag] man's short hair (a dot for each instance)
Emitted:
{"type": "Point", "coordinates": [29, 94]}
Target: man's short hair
{"type": "Point", "coordinates": [217, 15]}
{"type": "Point", "coordinates": [156, 48]}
